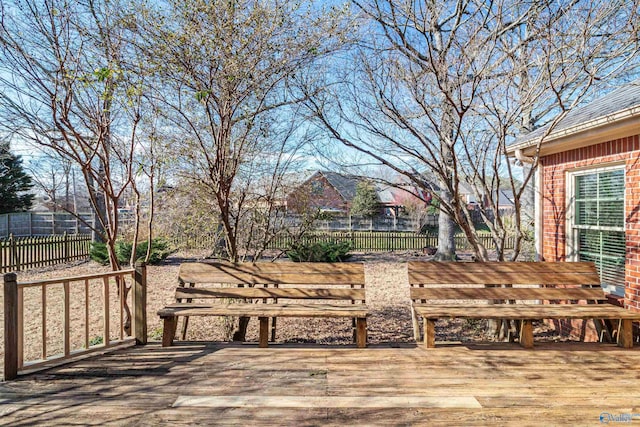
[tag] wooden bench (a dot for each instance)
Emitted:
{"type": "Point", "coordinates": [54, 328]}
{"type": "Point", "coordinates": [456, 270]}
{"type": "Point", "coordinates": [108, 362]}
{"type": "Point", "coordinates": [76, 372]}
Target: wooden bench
{"type": "Point", "coordinates": [511, 291]}
{"type": "Point", "coordinates": [333, 290]}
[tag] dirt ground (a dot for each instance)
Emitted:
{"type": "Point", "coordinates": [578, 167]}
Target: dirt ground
{"type": "Point", "coordinates": [387, 297]}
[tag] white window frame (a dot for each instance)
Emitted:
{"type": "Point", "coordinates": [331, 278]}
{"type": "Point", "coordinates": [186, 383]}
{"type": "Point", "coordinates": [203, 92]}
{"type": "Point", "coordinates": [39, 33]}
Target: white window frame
{"type": "Point", "coordinates": [571, 234]}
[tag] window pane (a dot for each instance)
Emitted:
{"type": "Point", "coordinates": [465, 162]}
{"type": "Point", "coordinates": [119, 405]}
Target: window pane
{"type": "Point", "coordinates": [586, 186]}
{"type": "Point", "coordinates": [610, 185]}
{"type": "Point", "coordinates": [611, 213]}
{"type": "Point", "coordinates": [607, 250]}
{"type": "Point", "coordinates": [587, 212]}
{"type": "Point", "coordinates": [599, 202]}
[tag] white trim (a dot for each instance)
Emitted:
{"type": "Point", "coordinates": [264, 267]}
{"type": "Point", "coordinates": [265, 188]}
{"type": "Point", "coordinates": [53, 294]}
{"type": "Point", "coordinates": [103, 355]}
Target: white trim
{"type": "Point", "coordinates": [539, 210]}
{"type": "Point", "coordinates": [600, 167]}
{"type": "Point", "coordinates": [617, 125]}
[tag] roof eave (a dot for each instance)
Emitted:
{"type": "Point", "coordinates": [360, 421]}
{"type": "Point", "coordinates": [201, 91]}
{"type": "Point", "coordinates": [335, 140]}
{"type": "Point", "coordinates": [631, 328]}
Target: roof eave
{"type": "Point", "coordinates": [606, 128]}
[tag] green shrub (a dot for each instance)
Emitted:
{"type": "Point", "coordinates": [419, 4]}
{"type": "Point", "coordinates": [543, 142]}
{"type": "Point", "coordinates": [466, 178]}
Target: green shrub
{"type": "Point", "coordinates": [95, 341]}
{"type": "Point", "coordinates": [319, 252]}
{"type": "Point", "coordinates": [98, 252]}
{"type": "Point", "coordinates": [160, 250]}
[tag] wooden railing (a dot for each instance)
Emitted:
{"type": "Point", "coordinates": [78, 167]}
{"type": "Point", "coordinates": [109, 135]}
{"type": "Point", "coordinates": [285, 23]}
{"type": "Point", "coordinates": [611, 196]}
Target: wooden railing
{"type": "Point", "coordinates": [36, 308]}
{"type": "Point", "coordinates": [20, 253]}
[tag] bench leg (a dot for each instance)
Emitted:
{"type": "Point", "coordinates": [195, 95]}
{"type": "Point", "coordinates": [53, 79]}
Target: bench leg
{"type": "Point", "coordinates": [354, 330]}
{"type": "Point", "coordinates": [361, 332]}
{"type": "Point", "coordinates": [169, 331]}
{"type": "Point", "coordinates": [264, 332]}
{"type": "Point", "coordinates": [185, 320]}
{"type": "Point", "coordinates": [416, 325]}
{"type": "Point", "coordinates": [625, 333]}
{"type": "Point", "coordinates": [526, 334]}
{"type": "Point", "coordinates": [273, 329]}
{"type": "Point", "coordinates": [185, 323]}
{"type": "Point", "coordinates": [429, 332]}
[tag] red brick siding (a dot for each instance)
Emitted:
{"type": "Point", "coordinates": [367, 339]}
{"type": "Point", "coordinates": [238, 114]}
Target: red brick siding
{"type": "Point", "coordinates": [305, 197]}
{"type": "Point", "coordinates": [555, 166]}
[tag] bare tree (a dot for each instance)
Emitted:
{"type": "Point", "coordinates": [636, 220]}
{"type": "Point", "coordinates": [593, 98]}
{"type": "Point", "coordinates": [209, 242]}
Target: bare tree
{"type": "Point", "coordinates": [52, 176]}
{"type": "Point", "coordinates": [224, 70]}
{"type": "Point", "coordinates": [65, 87]}
{"type": "Point", "coordinates": [441, 88]}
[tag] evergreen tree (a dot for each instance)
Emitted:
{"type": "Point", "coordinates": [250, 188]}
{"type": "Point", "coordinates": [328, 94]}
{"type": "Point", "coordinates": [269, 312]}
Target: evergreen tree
{"type": "Point", "coordinates": [365, 203]}
{"type": "Point", "coordinates": [14, 183]}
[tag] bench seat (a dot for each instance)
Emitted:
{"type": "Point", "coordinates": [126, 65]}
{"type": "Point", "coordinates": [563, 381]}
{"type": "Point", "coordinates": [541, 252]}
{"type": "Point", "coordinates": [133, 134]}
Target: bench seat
{"type": "Point", "coordinates": [268, 291]}
{"type": "Point", "coordinates": [262, 310]}
{"type": "Point", "coordinates": [513, 291]}
{"type": "Point", "coordinates": [525, 311]}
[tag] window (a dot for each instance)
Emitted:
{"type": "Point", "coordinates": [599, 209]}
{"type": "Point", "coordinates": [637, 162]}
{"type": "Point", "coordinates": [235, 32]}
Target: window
{"type": "Point", "coordinates": [596, 221]}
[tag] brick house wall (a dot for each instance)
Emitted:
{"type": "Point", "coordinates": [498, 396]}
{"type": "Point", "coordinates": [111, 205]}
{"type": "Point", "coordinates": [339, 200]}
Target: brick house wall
{"type": "Point", "coordinates": [554, 173]}
{"type": "Point", "coordinates": [317, 193]}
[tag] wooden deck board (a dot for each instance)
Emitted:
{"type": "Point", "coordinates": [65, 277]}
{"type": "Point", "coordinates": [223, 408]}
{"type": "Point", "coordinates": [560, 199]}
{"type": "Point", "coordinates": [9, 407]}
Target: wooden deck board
{"type": "Point", "coordinates": [562, 383]}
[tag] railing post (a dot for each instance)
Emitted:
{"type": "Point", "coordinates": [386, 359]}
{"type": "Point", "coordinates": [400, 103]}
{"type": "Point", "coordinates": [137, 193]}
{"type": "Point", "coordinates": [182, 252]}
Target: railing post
{"type": "Point", "coordinates": [10, 326]}
{"type": "Point", "coordinates": [140, 303]}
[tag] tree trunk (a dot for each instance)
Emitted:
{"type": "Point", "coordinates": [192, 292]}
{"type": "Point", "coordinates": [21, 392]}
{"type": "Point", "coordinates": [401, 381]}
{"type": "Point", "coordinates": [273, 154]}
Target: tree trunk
{"type": "Point", "coordinates": [446, 231]}
{"type": "Point", "coordinates": [99, 211]}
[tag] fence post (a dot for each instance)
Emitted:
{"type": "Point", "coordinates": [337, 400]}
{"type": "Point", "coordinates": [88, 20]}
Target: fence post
{"type": "Point", "coordinates": [65, 249]}
{"type": "Point", "coordinates": [140, 303]}
{"type": "Point", "coordinates": [10, 326]}
{"type": "Point", "coordinates": [13, 253]}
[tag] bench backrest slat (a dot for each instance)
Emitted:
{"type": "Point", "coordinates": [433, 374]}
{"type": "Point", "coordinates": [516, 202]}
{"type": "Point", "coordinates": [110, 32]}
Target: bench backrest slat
{"type": "Point", "coordinates": [254, 292]}
{"type": "Point", "coordinates": [503, 273]}
{"type": "Point", "coordinates": [272, 281]}
{"type": "Point", "coordinates": [326, 274]}
{"type": "Point", "coordinates": [559, 281]}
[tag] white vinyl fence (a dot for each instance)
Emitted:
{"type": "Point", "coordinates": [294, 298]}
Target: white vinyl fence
{"type": "Point", "coordinates": [44, 224]}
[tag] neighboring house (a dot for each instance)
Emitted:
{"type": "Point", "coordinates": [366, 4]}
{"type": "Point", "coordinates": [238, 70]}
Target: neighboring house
{"type": "Point", "coordinates": [44, 203]}
{"type": "Point", "coordinates": [588, 190]}
{"type": "Point", "coordinates": [506, 204]}
{"type": "Point", "coordinates": [468, 195]}
{"type": "Point", "coordinates": [41, 203]}
{"type": "Point", "coordinates": [334, 192]}
{"type": "Point", "coordinates": [327, 191]}
{"type": "Point", "coordinates": [395, 198]}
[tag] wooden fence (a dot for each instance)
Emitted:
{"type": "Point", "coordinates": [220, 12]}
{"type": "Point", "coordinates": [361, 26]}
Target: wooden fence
{"type": "Point", "coordinates": [201, 241]}
{"type": "Point", "coordinates": [20, 253]}
{"type": "Point", "coordinates": [383, 241]}
{"type": "Point", "coordinates": [71, 317]}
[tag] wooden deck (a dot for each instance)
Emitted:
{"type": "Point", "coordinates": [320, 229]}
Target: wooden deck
{"type": "Point", "coordinates": [217, 384]}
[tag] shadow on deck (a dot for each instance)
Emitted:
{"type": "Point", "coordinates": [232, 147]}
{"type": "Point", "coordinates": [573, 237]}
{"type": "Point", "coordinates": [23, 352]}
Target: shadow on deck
{"type": "Point", "coordinates": [204, 383]}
